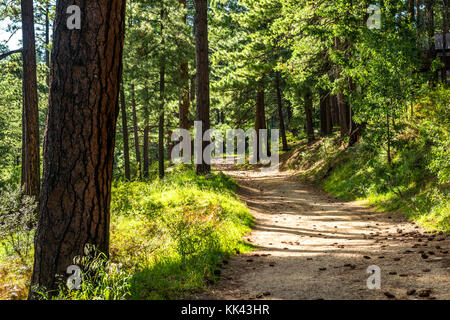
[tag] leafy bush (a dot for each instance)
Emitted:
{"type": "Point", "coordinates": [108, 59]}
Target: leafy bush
{"type": "Point", "coordinates": [17, 222]}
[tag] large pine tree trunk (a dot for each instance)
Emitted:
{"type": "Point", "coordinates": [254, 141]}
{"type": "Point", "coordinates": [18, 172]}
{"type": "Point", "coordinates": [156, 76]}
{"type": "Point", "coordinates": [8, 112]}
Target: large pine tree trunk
{"type": "Point", "coordinates": [202, 64]}
{"type": "Point", "coordinates": [280, 112]}
{"type": "Point", "coordinates": [126, 148]}
{"type": "Point", "coordinates": [86, 70]}
{"type": "Point", "coordinates": [136, 131]}
{"type": "Point", "coordinates": [30, 115]}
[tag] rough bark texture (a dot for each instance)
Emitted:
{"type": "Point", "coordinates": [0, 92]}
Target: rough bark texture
{"type": "Point", "coordinates": [280, 112]}
{"type": "Point", "coordinates": [136, 131]}
{"type": "Point", "coordinates": [308, 102]}
{"type": "Point", "coordinates": [30, 116]}
{"type": "Point", "coordinates": [126, 148]}
{"type": "Point", "coordinates": [202, 63]}
{"type": "Point", "coordinates": [86, 70]}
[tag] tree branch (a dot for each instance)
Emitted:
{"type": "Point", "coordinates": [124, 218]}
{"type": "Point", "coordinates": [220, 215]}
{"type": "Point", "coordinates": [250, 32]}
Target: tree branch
{"type": "Point", "coordinates": [7, 54]}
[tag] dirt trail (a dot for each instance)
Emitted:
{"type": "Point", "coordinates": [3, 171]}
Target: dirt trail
{"type": "Point", "coordinates": [311, 246]}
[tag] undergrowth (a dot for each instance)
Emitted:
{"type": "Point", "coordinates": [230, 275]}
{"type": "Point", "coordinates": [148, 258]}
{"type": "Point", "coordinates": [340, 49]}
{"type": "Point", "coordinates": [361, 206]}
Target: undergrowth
{"type": "Point", "coordinates": [416, 182]}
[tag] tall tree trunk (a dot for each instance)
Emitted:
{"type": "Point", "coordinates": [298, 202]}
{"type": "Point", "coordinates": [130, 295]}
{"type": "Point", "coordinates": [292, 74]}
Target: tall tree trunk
{"type": "Point", "coordinates": [146, 151]}
{"type": "Point", "coordinates": [162, 84]}
{"type": "Point", "coordinates": [411, 9]}
{"type": "Point", "coordinates": [86, 70]}
{"type": "Point", "coordinates": [202, 64]}
{"type": "Point", "coordinates": [328, 117]}
{"type": "Point", "coordinates": [126, 148]}
{"type": "Point", "coordinates": [47, 40]}
{"type": "Point", "coordinates": [335, 111]}
{"type": "Point", "coordinates": [280, 112]}
{"type": "Point", "coordinates": [308, 102]}
{"type": "Point", "coordinates": [260, 116]}
{"type": "Point", "coordinates": [184, 97]}
{"type": "Point", "coordinates": [444, 39]}
{"type": "Point", "coordinates": [342, 106]}
{"type": "Point", "coordinates": [430, 34]}
{"type": "Point", "coordinates": [323, 115]}
{"type": "Point", "coordinates": [136, 131]}
{"type": "Point", "coordinates": [30, 116]}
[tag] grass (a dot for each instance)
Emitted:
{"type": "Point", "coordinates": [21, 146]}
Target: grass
{"type": "Point", "coordinates": [168, 240]}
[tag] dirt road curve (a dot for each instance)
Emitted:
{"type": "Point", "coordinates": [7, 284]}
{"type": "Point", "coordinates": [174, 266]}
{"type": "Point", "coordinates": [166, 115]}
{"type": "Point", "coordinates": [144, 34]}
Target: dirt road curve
{"type": "Point", "coordinates": [311, 246]}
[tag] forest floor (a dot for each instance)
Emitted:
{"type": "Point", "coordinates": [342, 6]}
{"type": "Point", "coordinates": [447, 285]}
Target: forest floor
{"type": "Point", "coordinates": [310, 245]}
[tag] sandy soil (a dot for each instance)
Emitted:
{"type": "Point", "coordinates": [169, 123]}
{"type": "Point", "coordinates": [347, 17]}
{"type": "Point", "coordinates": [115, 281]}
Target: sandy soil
{"type": "Point", "coordinates": [309, 245]}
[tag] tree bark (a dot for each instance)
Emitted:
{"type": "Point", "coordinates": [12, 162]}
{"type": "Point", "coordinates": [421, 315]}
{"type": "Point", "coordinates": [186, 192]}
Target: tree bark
{"type": "Point", "coordinates": [86, 68]}
{"type": "Point", "coordinates": [30, 140]}
{"type": "Point", "coordinates": [126, 148]}
{"type": "Point", "coordinates": [136, 131]}
{"type": "Point", "coordinates": [308, 102]}
{"type": "Point", "coordinates": [202, 65]}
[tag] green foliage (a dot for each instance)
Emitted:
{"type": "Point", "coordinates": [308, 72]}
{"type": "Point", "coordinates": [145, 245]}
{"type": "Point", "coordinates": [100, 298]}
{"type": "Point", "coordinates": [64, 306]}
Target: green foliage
{"type": "Point", "coordinates": [17, 223]}
{"type": "Point", "coordinates": [174, 233]}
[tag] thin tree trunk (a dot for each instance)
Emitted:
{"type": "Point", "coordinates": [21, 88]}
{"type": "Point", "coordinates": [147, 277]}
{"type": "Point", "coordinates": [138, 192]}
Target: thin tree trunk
{"type": "Point", "coordinates": [184, 97]}
{"type": "Point", "coordinates": [430, 33]}
{"type": "Point", "coordinates": [161, 97]}
{"type": "Point", "coordinates": [323, 115]}
{"type": "Point", "coordinates": [126, 148]}
{"type": "Point", "coordinates": [202, 64]}
{"type": "Point", "coordinates": [280, 112]}
{"type": "Point", "coordinates": [146, 151]}
{"type": "Point", "coordinates": [136, 131]}
{"type": "Point", "coordinates": [411, 9]}
{"type": "Point", "coordinates": [260, 116]}
{"type": "Point", "coordinates": [308, 103]}
{"type": "Point", "coordinates": [86, 70]}
{"type": "Point", "coordinates": [30, 139]}
{"type": "Point", "coordinates": [342, 106]}
{"type": "Point", "coordinates": [444, 39]}
{"type": "Point", "coordinates": [47, 40]}
{"type": "Point", "coordinates": [329, 121]}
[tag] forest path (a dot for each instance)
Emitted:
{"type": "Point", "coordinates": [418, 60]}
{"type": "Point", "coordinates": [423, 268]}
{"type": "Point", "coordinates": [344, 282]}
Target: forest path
{"type": "Point", "coordinates": [309, 245]}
